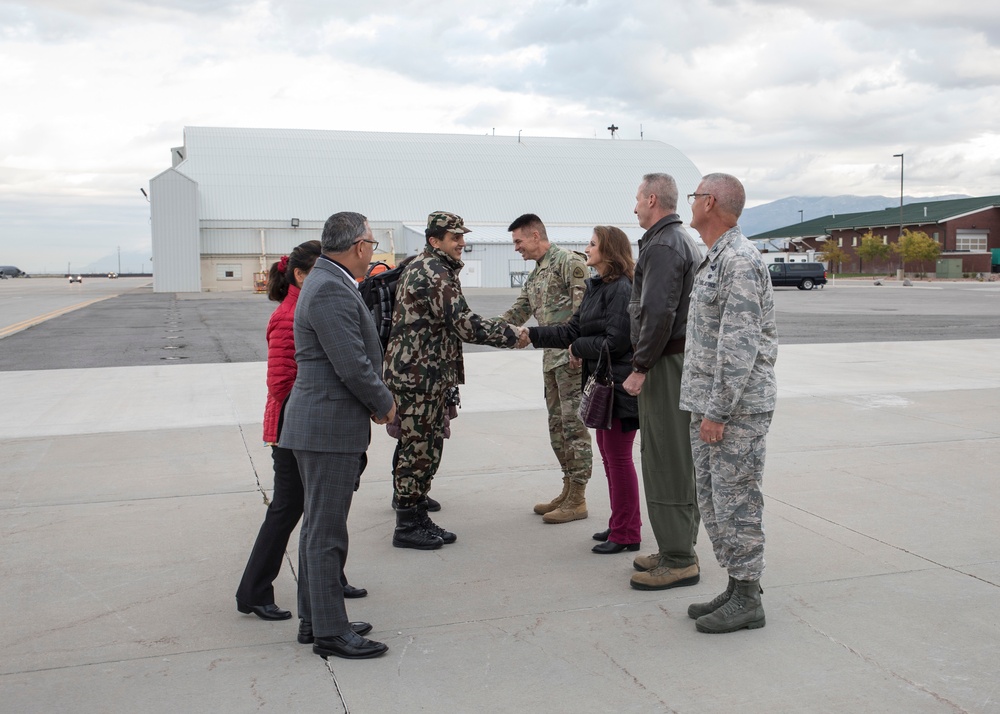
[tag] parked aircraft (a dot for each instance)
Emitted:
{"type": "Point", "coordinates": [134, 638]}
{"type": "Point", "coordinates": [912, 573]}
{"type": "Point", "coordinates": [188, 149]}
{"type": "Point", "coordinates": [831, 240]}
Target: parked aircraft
{"type": "Point", "coordinates": [11, 271]}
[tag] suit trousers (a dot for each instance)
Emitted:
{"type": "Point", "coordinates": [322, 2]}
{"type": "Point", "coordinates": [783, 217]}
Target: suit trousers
{"type": "Point", "coordinates": [328, 481]}
{"type": "Point", "coordinates": [667, 465]}
{"type": "Point", "coordinates": [282, 516]}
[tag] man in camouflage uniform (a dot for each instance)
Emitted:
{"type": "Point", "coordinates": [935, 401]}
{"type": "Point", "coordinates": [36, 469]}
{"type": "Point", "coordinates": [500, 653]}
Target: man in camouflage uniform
{"type": "Point", "coordinates": [423, 361]}
{"type": "Point", "coordinates": [730, 389]}
{"type": "Point", "coordinates": [553, 293]}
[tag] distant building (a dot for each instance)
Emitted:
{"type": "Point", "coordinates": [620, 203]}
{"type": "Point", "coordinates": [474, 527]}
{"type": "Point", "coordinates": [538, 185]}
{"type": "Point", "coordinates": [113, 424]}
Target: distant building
{"type": "Point", "coordinates": [235, 200]}
{"type": "Point", "coordinates": [968, 230]}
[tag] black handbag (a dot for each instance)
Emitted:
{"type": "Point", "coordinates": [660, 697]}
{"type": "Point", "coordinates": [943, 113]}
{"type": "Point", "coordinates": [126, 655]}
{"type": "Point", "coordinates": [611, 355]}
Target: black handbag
{"type": "Point", "coordinates": [598, 395]}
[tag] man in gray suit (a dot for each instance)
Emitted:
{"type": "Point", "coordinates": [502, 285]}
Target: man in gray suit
{"type": "Point", "coordinates": [338, 391]}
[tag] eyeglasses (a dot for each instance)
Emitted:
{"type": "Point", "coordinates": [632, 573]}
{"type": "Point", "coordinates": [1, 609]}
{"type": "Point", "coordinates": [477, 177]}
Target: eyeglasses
{"type": "Point", "coordinates": [365, 240]}
{"type": "Point", "coordinates": [692, 197]}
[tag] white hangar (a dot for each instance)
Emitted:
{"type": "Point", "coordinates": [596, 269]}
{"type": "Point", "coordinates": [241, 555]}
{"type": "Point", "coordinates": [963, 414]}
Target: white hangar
{"type": "Point", "coordinates": [235, 200]}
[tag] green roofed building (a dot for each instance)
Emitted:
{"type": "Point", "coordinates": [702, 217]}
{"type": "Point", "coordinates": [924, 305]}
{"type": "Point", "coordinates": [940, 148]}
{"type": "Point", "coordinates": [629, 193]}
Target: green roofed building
{"type": "Point", "coordinates": [968, 229]}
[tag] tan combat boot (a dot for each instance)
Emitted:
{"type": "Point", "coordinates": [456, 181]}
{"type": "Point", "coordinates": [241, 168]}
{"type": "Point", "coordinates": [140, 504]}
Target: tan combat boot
{"type": "Point", "coordinates": [543, 508]}
{"type": "Point", "coordinates": [663, 578]}
{"type": "Point", "coordinates": [642, 563]}
{"type": "Point", "coordinates": [574, 508]}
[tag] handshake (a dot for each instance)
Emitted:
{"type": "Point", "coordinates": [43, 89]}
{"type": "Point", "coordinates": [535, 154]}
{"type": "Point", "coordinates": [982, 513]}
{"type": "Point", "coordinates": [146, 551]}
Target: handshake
{"type": "Point", "coordinates": [522, 337]}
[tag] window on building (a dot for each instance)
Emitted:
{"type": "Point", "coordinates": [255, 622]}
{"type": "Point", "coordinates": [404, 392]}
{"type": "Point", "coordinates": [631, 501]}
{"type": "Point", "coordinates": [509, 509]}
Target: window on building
{"type": "Point", "coordinates": [231, 271]}
{"type": "Point", "coordinates": [854, 241]}
{"type": "Point", "coordinates": [885, 240]}
{"type": "Point", "coordinates": [840, 242]}
{"type": "Point", "coordinates": [937, 237]}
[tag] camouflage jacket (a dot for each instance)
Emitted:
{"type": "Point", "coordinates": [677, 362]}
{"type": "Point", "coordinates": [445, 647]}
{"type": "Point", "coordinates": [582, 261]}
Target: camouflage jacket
{"type": "Point", "coordinates": [430, 321]}
{"type": "Point", "coordinates": [552, 293]}
{"type": "Point", "coordinates": [732, 340]}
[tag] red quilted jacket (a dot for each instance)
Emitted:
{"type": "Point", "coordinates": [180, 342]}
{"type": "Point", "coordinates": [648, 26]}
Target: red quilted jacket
{"type": "Point", "coordinates": [281, 367]}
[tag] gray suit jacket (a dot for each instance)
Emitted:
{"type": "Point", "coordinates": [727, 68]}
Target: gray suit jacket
{"type": "Point", "coordinates": [339, 381]}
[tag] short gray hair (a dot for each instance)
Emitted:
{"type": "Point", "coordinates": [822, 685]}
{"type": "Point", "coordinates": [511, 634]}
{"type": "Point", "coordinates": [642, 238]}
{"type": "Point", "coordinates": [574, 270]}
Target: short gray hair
{"type": "Point", "coordinates": [728, 191]}
{"type": "Point", "coordinates": [342, 230]}
{"type": "Point", "coordinates": [664, 188]}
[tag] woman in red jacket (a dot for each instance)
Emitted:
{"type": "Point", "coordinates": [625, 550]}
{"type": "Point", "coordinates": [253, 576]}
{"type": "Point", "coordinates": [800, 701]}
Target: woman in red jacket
{"type": "Point", "coordinates": [256, 592]}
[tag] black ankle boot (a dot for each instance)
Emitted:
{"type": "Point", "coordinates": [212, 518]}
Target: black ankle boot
{"type": "Point", "coordinates": [433, 528]}
{"type": "Point", "coordinates": [411, 533]}
{"type": "Point", "coordinates": [432, 505]}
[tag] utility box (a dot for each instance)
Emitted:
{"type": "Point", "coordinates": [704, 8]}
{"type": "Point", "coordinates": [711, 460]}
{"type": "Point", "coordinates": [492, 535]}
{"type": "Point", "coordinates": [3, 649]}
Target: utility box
{"type": "Point", "coordinates": [995, 267]}
{"type": "Point", "coordinates": [949, 268]}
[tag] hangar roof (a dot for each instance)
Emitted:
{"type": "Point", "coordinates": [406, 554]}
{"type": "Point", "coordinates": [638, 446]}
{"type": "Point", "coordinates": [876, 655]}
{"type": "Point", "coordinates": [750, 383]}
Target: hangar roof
{"type": "Point", "coordinates": [278, 174]}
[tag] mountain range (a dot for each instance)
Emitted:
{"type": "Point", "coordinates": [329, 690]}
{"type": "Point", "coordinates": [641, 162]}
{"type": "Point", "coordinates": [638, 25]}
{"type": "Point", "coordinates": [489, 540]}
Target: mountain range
{"type": "Point", "coordinates": [758, 219]}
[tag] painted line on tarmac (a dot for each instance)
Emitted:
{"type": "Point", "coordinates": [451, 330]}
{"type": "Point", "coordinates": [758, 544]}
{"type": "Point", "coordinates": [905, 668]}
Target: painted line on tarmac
{"type": "Point", "coordinates": [39, 319]}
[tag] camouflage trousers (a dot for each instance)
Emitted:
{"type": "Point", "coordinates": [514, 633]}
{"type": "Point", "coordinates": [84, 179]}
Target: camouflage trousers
{"type": "Point", "coordinates": [421, 442]}
{"type": "Point", "coordinates": [569, 437]}
{"type": "Point", "coordinates": [728, 476]}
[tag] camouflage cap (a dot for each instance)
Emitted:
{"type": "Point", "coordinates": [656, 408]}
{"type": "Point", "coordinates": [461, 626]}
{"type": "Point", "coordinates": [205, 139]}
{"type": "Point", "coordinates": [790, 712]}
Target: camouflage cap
{"type": "Point", "coordinates": [451, 222]}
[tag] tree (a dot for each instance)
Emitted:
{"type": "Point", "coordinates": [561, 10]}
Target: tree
{"type": "Point", "coordinates": [916, 245]}
{"type": "Point", "coordinates": [872, 250]}
{"type": "Point", "coordinates": [834, 255]}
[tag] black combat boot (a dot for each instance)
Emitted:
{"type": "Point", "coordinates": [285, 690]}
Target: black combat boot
{"type": "Point", "coordinates": [411, 533]}
{"type": "Point", "coordinates": [432, 505]}
{"type": "Point", "coordinates": [447, 537]}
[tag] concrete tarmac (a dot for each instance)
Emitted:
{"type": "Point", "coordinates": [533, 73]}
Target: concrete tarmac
{"type": "Point", "coordinates": [132, 495]}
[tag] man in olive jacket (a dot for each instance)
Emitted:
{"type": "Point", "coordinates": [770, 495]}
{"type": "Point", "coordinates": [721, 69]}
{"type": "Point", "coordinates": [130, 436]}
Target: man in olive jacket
{"type": "Point", "coordinates": [661, 290]}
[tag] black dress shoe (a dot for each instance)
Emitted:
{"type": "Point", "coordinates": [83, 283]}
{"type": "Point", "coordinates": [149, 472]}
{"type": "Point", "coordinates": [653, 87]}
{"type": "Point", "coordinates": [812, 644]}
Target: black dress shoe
{"type": "Point", "coordinates": [349, 646]}
{"type": "Point", "coordinates": [602, 536]}
{"type": "Point", "coordinates": [306, 630]}
{"type": "Point", "coordinates": [264, 612]}
{"type": "Point", "coordinates": [432, 505]}
{"type": "Point", "coordinates": [612, 547]}
{"type": "Point", "coordinates": [351, 591]}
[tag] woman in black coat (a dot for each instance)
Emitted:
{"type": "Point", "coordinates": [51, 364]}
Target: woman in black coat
{"type": "Point", "coordinates": [603, 319]}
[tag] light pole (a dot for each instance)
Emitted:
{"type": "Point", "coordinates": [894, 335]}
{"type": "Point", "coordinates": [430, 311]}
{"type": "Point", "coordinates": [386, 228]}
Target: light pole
{"type": "Point", "coordinates": [900, 157]}
{"type": "Point", "coordinates": [900, 238]}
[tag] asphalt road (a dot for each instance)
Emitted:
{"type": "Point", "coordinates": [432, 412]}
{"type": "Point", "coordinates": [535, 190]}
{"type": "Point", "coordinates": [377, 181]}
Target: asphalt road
{"type": "Point", "coordinates": [138, 327]}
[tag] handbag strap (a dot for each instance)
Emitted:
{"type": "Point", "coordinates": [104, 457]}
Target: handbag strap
{"type": "Point", "coordinates": [605, 353]}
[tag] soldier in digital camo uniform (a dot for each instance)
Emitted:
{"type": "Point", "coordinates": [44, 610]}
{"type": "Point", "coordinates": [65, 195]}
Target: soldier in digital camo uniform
{"type": "Point", "coordinates": [423, 361]}
{"type": "Point", "coordinates": [553, 293]}
{"type": "Point", "coordinates": [729, 387]}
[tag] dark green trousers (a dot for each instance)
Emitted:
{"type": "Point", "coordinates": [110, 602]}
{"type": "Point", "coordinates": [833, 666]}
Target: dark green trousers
{"type": "Point", "coordinates": [667, 466]}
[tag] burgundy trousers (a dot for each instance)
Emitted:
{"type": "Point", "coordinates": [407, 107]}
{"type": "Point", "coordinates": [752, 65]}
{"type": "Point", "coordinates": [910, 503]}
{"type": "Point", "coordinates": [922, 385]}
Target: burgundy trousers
{"type": "Point", "coordinates": [623, 486]}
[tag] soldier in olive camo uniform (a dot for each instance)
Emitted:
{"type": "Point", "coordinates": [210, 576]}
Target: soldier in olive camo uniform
{"type": "Point", "coordinates": [423, 360]}
{"type": "Point", "coordinates": [729, 387]}
{"type": "Point", "coordinates": [552, 293]}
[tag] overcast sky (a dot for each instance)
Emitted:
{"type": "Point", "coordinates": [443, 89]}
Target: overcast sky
{"type": "Point", "coordinates": [796, 98]}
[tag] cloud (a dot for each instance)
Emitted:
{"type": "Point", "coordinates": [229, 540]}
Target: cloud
{"type": "Point", "coordinates": [804, 96]}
